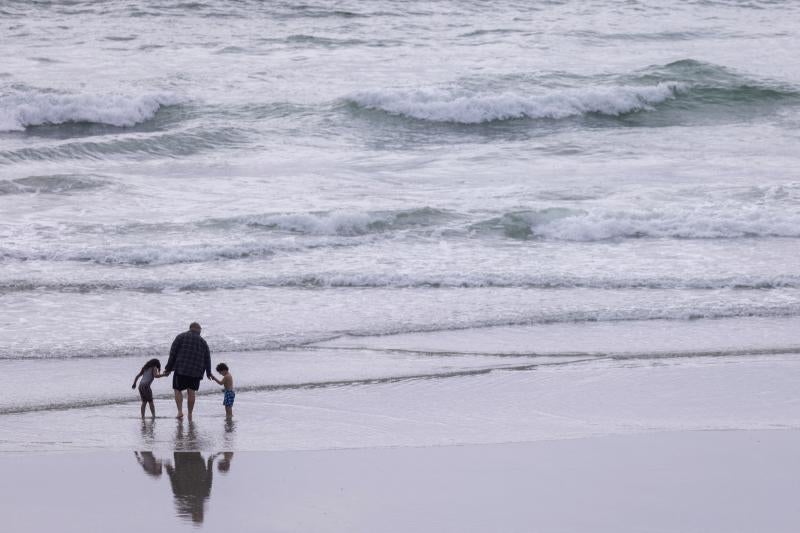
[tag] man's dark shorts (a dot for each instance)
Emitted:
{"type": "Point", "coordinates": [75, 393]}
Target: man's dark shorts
{"type": "Point", "coordinates": [181, 382]}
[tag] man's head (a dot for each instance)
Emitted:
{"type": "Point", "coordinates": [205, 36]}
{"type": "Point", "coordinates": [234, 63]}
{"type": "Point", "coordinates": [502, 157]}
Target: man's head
{"type": "Point", "coordinates": [194, 326]}
{"type": "Point", "coordinates": [222, 368]}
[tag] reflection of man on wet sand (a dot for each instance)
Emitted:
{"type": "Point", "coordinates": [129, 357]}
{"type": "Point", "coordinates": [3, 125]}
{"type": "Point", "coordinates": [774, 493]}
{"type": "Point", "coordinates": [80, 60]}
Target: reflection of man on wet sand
{"type": "Point", "coordinates": [191, 479]}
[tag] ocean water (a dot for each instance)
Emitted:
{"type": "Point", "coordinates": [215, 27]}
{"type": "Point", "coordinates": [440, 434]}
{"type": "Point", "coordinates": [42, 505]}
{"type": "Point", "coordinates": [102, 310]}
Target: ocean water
{"type": "Point", "coordinates": [396, 209]}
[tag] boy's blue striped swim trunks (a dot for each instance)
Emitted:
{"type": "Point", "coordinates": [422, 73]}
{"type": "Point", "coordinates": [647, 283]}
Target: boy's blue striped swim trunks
{"type": "Point", "coordinates": [228, 399]}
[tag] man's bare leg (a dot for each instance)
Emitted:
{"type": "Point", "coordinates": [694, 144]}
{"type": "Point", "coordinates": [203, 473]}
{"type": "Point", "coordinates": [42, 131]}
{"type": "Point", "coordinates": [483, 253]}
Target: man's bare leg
{"type": "Point", "coordinates": [228, 412]}
{"type": "Point", "coordinates": [179, 403]}
{"type": "Point", "coordinates": [190, 395]}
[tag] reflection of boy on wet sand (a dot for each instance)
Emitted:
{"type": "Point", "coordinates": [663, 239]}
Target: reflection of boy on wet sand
{"type": "Point", "coordinates": [224, 464]}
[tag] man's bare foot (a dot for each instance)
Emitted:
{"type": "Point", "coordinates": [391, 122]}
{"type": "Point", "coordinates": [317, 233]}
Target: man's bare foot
{"type": "Point", "coordinates": [180, 415]}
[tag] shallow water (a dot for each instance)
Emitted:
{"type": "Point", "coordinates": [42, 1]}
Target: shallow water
{"type": "Point", "coordinates": [719, 481]}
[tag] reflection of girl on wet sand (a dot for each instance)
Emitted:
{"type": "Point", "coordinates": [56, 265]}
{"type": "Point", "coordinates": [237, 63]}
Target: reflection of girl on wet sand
{"type": "Point", "coordinates": [151, 465]}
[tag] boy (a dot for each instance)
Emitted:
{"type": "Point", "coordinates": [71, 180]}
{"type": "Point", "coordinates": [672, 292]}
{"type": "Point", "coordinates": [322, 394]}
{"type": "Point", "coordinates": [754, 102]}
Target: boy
{"type": "Point", "coordinates": [227, 383]}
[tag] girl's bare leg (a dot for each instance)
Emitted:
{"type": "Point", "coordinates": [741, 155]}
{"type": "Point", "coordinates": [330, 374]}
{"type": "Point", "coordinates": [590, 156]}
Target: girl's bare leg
{"type": "Point", "coordinates": [143, 404]}
{"type": "Point", "coordinates": [152, 409]}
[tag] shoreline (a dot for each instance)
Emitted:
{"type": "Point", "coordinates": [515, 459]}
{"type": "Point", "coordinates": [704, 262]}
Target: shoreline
{"type": "Point", "coordinates": [551, 401]}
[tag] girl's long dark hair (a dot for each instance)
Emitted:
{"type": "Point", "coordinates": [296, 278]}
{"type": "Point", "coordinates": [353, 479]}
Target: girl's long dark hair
{"type": "Point", "coordinates": [152, 363]}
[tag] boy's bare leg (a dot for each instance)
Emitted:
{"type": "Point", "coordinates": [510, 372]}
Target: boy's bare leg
{"type": "Point", "coordinates": [228, 411]}
{"type": "Point", "coordinates": [152, 409]}
{"type": "Point", "coordinates": [143, 404]}
{"type": "Point", "coordinates": [190, 395]}
{"type": "Point", "coordinates": [178, 403]}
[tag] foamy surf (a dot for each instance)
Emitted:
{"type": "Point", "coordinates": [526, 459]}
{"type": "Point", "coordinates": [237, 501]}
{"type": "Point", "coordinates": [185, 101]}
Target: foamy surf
{"type": "Point", "coordinates": [21, 110]}
{"type": "Point", "coordinates": [465, 107]}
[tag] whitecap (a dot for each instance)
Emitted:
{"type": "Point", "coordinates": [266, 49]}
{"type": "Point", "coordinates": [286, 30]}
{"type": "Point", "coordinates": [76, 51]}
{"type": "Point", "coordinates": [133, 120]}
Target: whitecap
{"type": "Point", "coordinates": [23, 109]}
{"type": "Point", "coordinates": [458, 106]}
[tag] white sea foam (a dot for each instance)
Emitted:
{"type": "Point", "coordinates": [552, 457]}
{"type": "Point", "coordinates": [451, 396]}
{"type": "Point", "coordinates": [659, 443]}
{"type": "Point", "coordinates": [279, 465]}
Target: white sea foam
{"type": "Point", "coordinates": [20, 110]}
{"type": "Point", "coordinates": [459, 106]}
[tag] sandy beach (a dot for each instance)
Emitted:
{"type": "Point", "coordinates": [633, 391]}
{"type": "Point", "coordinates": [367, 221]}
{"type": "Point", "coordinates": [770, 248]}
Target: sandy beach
{"type": "Point", "coordinates": [703, 481]}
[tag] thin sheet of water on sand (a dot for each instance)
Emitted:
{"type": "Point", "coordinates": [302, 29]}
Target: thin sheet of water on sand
{"type": "Point", "coordinates": [685, 481]}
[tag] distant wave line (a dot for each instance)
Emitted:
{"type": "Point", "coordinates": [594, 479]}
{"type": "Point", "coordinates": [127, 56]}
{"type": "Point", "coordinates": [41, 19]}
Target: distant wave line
{"type": "Point", "coordinates": [268, 234]}
{"type": "Point", "coordinates": [343, 280]}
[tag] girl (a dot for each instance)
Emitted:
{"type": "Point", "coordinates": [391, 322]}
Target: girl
{"type": "Point", "coordinates": [150, 371]}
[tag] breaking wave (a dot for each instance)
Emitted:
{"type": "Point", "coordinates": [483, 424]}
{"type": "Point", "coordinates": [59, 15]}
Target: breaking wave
{"type": "Point", "coordinates": [687, 87]}
{"type": "Point", "coordinates": [463, 107]}
{"type": "Point", "coordinates": [21, 110]}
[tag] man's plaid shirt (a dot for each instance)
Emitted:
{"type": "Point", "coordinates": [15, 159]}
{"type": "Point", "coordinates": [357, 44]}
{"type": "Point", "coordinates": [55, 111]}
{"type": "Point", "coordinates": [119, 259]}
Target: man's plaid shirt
{"type": "Point", "coordinates": [189, 355]}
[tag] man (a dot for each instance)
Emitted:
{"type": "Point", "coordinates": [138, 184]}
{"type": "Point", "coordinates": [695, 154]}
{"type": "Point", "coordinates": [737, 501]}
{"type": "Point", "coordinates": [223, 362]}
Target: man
{"type": "Point", "coordinates": [189, 357]}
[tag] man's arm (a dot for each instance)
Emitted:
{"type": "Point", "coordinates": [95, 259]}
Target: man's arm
{"type": "Point", "coordinates": [173, 352]}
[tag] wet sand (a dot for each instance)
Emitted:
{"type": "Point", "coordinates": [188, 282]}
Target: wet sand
{"type": "Point", "coordinates": [704, 481]}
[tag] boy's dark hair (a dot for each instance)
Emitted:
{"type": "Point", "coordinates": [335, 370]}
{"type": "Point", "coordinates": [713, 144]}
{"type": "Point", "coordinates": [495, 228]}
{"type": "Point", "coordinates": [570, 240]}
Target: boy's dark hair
{"type": "Point", "coordinates": [222, 367]}
{"type": "Point", "coordinates": [152, 363]}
